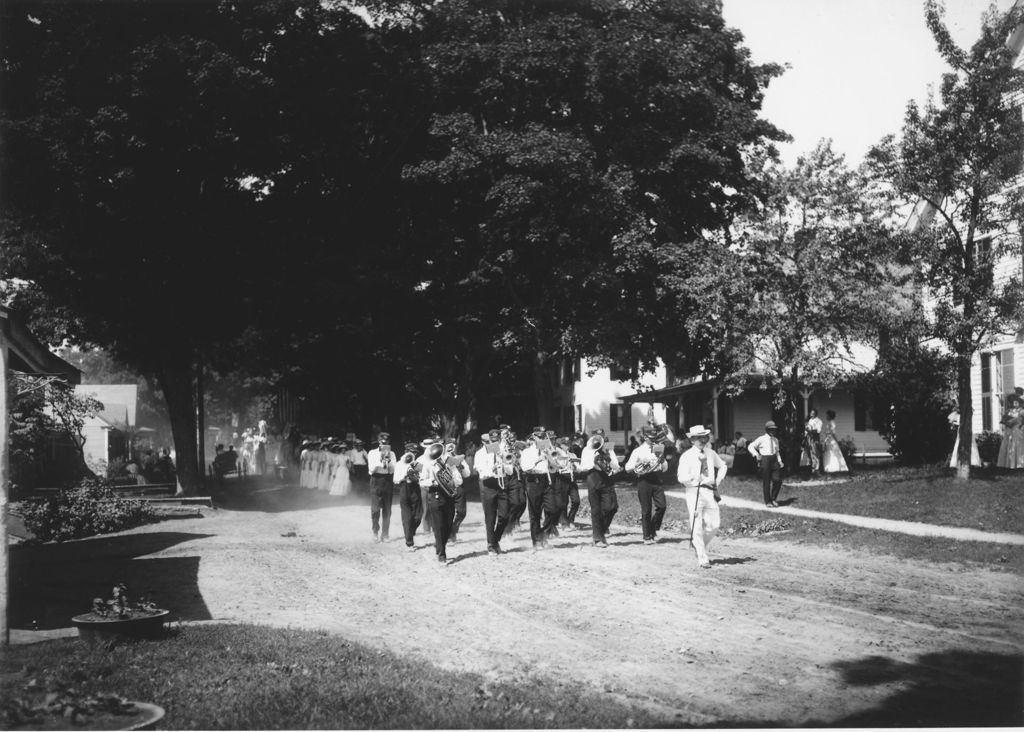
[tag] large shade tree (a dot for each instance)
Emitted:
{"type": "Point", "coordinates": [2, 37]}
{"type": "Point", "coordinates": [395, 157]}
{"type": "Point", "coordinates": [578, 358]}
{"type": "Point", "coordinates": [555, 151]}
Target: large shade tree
{"type": "Point", "coordinates": [803, 281]}
{"type": "Point", "coordinates": [164, 159]}
{"type": "Point", "coordinates": [573, 143]}
{"type": "Point", "coordinates": [959, 157]}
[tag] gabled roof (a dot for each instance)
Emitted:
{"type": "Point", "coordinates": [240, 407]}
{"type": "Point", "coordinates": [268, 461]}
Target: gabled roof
{"type": "Point", "coordinates": [120, 401]}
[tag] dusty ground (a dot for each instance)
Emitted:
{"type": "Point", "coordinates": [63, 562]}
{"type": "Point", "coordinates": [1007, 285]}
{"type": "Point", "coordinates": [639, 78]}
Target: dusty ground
{"type": "Point", "coordinates": [776, 634]}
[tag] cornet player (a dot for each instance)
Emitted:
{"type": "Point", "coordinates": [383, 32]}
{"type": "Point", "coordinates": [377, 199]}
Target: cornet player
{"type": "Point", "coordinates": [648, 464]}
{"type": "Point", "coordinates": [490, 466]}
{"type": "Point", "coordinates": [540, 496]}
{"type": "Point", "coordinates": [380, 462]}
{"type": "Point", "coordinates": [602, 498]}
{"type": "Point", "coordinates": [410, 502]}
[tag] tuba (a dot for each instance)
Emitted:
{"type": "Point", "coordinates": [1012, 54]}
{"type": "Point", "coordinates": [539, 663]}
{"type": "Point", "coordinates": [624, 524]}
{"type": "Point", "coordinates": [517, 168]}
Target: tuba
{"type": "Point", "coordinates": [445, 480]}
{"type": "Point", "coordinates": [651, 463]}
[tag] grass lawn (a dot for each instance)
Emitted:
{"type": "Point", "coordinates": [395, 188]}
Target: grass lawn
{"type": "Point", "coordinates": [992, 502]}
{"type": "Point", "coordinates": [252, 677]}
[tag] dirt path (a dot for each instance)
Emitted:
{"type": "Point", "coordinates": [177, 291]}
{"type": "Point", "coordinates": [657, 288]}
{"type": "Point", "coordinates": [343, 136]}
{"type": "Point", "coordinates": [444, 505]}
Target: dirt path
{"type": "Point", "coordinates": [776, 633]}
{"type": "Point", "coordinates": [915, 528]}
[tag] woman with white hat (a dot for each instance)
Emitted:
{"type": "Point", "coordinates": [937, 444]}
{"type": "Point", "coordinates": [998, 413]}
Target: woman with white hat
{"type": "Point", "coordinates": [701, 472]}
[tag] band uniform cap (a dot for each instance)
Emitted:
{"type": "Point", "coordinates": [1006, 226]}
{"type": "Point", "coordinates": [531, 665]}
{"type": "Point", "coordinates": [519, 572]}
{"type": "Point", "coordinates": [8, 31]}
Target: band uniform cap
{"type": "Point", "coordinates": [654, 433]}
{"type": "Point", "coordinates": [411, 447]}
{"type": "Point", "coordinates": [770, 425]}
{"type": "Point", "coordinates": [494, 434]}
{"type": "Point", "coordinates": [504, 427]}
{"type": "Point", "coordinates": [384, 437]}
{"type": "Point", "coordinates": [698, 430]}
{"type": "Point", "coordinates": [427, 442]}
{"type": "Point", "coordinates": [541, 430]}
{"type": "Point", "coordinates": [598, 431]}
{"type": "Point", "coordinates": [562, 441]}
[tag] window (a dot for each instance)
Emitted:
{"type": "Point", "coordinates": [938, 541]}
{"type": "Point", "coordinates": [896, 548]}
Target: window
{"type": "Point", "coordinates": [996, 381]}
{"type": "Point", "coordinates": [623, 371]}
{"type": "Point", "coordinates": [621, 418]}
{"type": "Point", "coordinates": [579, 417]}
{"type": "Point", "coordinates": [986, 392]}
{"type": "Point", "coordinates": [863, 417]}
{"type": "Point", "coordinates": [577, 370]}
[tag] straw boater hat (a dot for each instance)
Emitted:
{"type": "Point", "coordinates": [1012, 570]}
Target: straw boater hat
{"type": "Point", "coordinates": [698, 430]}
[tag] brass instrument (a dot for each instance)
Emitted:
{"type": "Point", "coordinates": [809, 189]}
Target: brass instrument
{"type": "Point", "coordinates": [443, 475]}
{"type": "Point", "coordinates": [603, 462]}
{"type": "Point", "coordinates": [651, 463]}
{"type": "Point", "coordinates": [412, 475]}
{"type": "Point", "coordinates": [596, 442]}
{"type": "Point", "coordinates": [563, 460]}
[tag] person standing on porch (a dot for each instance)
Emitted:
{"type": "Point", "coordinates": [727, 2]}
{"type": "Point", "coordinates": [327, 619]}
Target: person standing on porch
{"type": "Point", "coordinates": [765, 450]}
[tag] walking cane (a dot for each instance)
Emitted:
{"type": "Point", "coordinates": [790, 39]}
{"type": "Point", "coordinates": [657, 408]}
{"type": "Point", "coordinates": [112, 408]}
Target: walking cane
{"type": "Point", "coordinates": [694, 524]}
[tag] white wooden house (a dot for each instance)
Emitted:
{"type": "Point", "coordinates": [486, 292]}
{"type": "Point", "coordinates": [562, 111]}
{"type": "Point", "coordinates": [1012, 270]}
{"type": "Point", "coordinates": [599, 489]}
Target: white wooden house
{"type": "Point", "coordinates": [592, 398]}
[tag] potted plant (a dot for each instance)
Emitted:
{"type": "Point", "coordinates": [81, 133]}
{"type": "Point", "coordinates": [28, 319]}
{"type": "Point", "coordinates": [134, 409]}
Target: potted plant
{"type": "Point", "coordinates": [40, 709]}
{"type": "Point", "coordinates": [118, 618]}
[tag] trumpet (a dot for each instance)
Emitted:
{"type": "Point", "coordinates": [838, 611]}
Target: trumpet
{"type": "Point", "coordinates": [412, 475]}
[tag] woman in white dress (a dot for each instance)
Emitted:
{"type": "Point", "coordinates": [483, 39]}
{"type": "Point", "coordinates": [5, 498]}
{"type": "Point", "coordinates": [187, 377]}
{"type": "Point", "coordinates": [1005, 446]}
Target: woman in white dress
{"type": "Point", "coordinates": [832, 457]}
{"type": "Point", "coordinates": [341, 482]}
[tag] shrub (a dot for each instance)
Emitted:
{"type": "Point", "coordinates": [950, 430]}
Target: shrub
{"type": "Point", "coordinates": [910, 389]}
{"type": "Point", "coordinates": [116, 468]}
{"type": "Point", "coordinates": [849, 448]}
{"type": "Point", "coordinates": [988, 446]}
{"type": "Point", "coordinates": [89, 508]}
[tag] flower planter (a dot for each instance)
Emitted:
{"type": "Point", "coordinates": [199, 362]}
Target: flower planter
{"type": "Point", "coordinates": [143, 716]}
{"type": "Point", "coordinates": [93, 629]}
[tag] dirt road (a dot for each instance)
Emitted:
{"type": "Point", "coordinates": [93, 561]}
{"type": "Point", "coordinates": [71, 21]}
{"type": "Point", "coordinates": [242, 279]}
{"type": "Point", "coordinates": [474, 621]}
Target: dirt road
{"type": "Point", "coordinates": [775, 634]}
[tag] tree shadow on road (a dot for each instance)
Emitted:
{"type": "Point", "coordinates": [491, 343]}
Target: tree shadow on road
{"type": "Point", "coordinates": [51, 583]}
{"type": "Point", "coordinates": [950, 689]}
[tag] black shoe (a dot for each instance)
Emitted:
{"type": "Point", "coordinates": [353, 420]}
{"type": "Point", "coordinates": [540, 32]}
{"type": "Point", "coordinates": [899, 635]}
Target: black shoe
{"type": "Point", "coordinates": [775, 504]}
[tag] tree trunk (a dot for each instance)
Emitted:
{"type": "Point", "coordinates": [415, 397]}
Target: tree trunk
{"type": "Point", "coordinates": [200, 403]}
{"type": "Point", "coordinates": [544, 391]}
{"type": "Point", "coordinates": [965, 399]}
{"type": "Point", "coordinates": [175, 379]}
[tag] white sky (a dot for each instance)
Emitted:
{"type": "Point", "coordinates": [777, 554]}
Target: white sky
{"type": "Point", "coordinates": [854, 64]}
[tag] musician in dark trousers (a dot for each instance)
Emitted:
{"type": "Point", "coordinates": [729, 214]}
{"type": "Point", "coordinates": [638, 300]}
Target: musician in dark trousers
{"type": "Point", "coordinates": [564, 474]}
{"type": "Point", "coordinates": [460, 490]}
{"type": "Point", "coordinates": [649, 465]}
{"type": "Point", "coordinates": [539, 490]}
{"type": "Point", "coordinates": [425, 444]}
{"type": "Point", "coordinates": [440, 482]}
{"type": "Point", "coordinates": [410, 502]}
{"type": "Point", "coordinates": [514, 483]}
{"type": "Point", "coordinates": [490, 470]}
{"type": "Point", "coordinates": [380, 462]}
{"type": "Point", "coordinates": [601, 496]}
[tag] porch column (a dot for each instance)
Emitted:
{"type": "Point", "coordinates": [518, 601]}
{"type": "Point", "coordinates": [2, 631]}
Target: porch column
{"type": "Point", "coordinates": [714, 411]}
{"type": "Point", "coordinates": [5, 633]}
{"type": "Point", "coordinates": [806, 394]}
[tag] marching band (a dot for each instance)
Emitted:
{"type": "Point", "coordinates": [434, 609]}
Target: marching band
{"type": "Point", "coordinates": [539, 475]}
